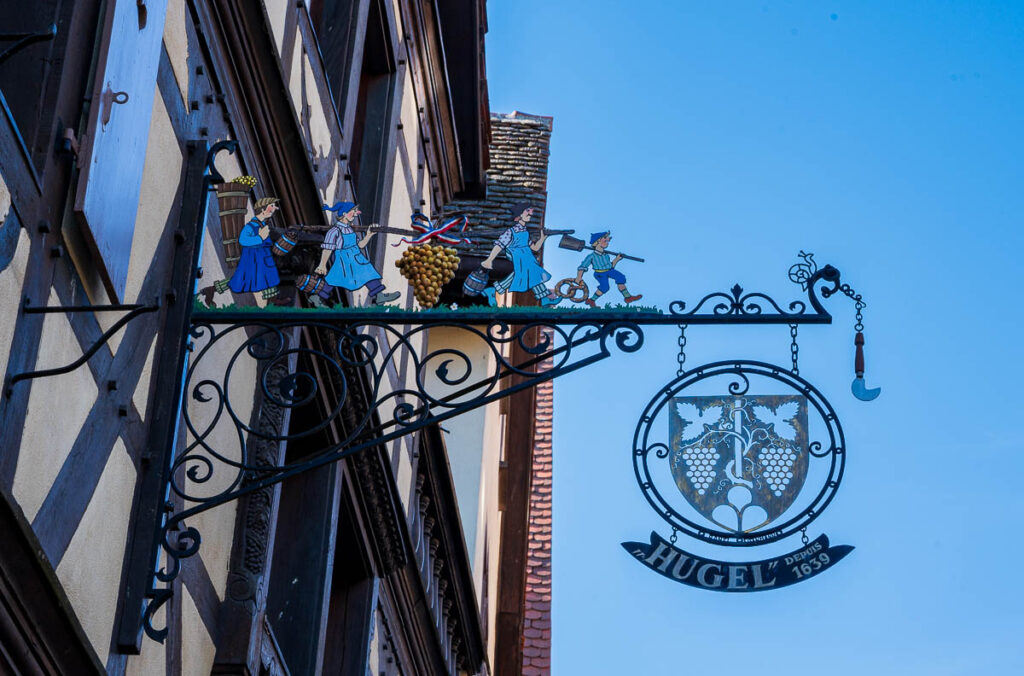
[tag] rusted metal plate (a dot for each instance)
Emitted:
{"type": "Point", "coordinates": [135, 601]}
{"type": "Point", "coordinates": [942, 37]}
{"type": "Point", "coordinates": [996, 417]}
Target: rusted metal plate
{"type": "Point", "coordinates": [739, 461]}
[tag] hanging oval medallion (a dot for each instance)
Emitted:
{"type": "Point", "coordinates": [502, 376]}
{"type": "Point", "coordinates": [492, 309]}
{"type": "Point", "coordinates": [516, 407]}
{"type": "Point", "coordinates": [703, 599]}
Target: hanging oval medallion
{"type": "Point", "coordinates": [739, 453]}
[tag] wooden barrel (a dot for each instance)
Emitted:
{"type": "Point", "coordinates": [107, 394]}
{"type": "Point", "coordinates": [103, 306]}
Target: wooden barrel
{"type": "Point", "coordinates": [476, 282]}
{"type": "Point", "coordinates": [311, 284]}
{"type": "Point", "coordinates": [286, 242]}
{"type": "Point", "coordinates": [232, 199]}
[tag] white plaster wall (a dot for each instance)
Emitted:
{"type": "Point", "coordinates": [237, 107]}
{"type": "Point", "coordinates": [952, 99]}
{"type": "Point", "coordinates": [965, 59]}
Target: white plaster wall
{"type": "Point", "coordinates": [152, 659]}
{"type": "Point", "coordinates": [197, 648]}
{"type": "Point", "coordinates": [158, 196]}
{"type": "Point", "coordinates": [399, 213]}
{"type": "Point", "coordinates": [11, 281]}
{"type": "Point", "coordinates": [494, 442]}
{"type": "Point", "coordinates": [210, 262]}
{"type": "Point", "coordinates": [91, 568]}
{"type": "Point", "coordinates": [294, 77]}
{"type": "Point", "coordinates": [309, 107]}
{"type": "Point", "coordinates": [5, 200]}
{"type": "Point", "coordinates": [332, 192]}
{"type": "Point", "coordinates": [474, 444]}
{"type": "Point", "coordinates": [140, 397]}
{"type": "Point", "coordinates": [465, 438]}
{"type": "Point", "coordinates": [405, 198]}
{"type": "Point", "coordinates": [403, 478]}
{"type": "Point", "coordinates": [176, 41]}
{"type": "Point", "coordinates": [277, 13]}
{"type": "Point", "coordinates": [487, 530]}
{"type": "Point", "coordinates": [53, 419]}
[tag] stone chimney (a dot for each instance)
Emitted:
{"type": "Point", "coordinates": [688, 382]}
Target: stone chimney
{"type": "Point", "coordinates": [520, 146]}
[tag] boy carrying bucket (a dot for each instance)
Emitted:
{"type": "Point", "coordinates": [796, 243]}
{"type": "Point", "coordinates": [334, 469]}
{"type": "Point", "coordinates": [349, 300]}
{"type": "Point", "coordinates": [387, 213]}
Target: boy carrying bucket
{"type": "Point", "coordinates": [604, 269]}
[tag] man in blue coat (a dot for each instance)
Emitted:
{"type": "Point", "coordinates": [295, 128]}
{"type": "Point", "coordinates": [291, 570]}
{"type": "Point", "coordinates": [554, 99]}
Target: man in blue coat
{"type": "Point", "coordinates": [256, 271]}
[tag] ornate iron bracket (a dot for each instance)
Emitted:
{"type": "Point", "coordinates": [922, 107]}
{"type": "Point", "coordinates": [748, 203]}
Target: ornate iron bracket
{"type": "Point", "coordinates": [22, 40]}
{"type": "Point", "coordinates": [374, 342]}
{"type": "Point", "coordinates": [133, 311]}
{"type": "Point", "coordinates": [362, 349]}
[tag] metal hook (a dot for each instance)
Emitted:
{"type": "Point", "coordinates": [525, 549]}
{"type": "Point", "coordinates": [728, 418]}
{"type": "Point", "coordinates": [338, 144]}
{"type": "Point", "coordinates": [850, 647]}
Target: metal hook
{"type": "Point", "coordinates": [110, 97]}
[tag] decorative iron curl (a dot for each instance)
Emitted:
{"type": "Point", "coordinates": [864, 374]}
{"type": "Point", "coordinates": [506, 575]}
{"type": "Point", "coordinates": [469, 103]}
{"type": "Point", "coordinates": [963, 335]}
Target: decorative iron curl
{"type": "Point", "coordinates": [185, 544]}
{"type": "Point", "coordinates": [444, 383]}
{"type": "Point", "coordinates": [756, 307]}
{"type": "Point", "coordinates": [814, 448]}
{"type": "Point", "coordinates": [737, 304]}
{"type": "Point", "coordinates": [661, 450]}
{"type": "Point", "coordinates": [735, 387]}
{"type": "Point", "coordinates": [801, 273]}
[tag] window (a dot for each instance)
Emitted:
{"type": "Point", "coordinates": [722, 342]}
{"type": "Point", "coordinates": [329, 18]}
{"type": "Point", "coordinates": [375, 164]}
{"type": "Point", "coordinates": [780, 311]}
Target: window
{"type": "Point", "coordinates": [370, 135]}
{"type": "Point", "coordinates": [374, 85]}
{"type": "Point", "coordinates": [29, 77]}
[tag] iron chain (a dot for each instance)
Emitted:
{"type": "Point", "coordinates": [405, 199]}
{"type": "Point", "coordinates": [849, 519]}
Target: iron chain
{"type": "Point", "coordinates": [794, 349]}
{"type": "Point", "coordinates": [681, 358]}
{"type": "Point", "coordinates": [860, 305]}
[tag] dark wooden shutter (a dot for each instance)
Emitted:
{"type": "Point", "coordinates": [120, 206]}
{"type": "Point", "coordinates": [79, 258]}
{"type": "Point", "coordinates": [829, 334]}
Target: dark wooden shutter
{"type": "Point", "coordinates": [114, 145]}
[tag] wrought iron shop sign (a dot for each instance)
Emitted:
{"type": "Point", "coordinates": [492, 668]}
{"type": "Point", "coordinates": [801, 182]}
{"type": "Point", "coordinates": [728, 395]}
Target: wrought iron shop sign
{"type": "Point", "coordinates": [744, 468]}
{"type": "Point", "coordinates": [733, 454]}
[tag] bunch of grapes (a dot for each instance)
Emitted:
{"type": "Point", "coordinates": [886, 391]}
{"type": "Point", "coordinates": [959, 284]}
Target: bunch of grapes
{"type": "Point", "coordinates": [248, 181]}
{"type": "Point", "coordinates": [428, 268]}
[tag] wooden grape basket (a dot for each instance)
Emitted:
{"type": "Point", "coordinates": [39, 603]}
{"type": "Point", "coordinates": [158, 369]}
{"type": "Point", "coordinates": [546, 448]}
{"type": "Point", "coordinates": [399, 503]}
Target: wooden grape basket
{"type": "Point", "coordinates": [232, 199]}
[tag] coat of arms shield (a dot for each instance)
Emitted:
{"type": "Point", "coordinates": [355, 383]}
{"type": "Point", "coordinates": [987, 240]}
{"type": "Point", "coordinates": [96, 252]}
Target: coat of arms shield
{"type": "Point", "coordinates": [740, 461]}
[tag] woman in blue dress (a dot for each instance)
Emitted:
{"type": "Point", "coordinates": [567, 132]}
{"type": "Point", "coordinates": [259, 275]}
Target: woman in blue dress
{"type": "Point", "coordinates": [527, 273]}
{"type": "Point", "coordinates": [256, 272]}
{"type": "Point", "coordinates": [350, 269]}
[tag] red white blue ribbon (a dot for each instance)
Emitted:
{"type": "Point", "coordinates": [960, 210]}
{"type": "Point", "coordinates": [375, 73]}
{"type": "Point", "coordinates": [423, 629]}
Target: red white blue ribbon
{"type": "Point", "coordinates": [448, 231]}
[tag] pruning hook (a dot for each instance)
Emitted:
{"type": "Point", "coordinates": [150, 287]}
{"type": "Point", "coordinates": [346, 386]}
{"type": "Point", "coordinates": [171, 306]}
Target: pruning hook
{"type": "Point", "coordinates": [860, 390]}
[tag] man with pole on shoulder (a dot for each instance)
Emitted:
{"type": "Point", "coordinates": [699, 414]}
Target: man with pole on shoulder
{"type": "Point", "coordinates": [527, 273]}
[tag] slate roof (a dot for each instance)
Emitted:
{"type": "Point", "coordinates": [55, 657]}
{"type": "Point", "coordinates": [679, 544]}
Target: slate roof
{"type": "Point", "coordinates": [519, 151]}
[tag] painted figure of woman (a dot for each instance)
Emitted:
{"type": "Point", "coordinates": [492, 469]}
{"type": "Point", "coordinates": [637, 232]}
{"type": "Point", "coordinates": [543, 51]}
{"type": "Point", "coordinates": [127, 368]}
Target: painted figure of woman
{"type": "Point", "coordinates": [350, 268]}
{"type": "Point", "coordinates": [256, 272]}
{"type": "Point", "coordinates": [527, 273]}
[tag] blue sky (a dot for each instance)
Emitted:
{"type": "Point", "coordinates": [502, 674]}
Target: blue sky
{"type": "Point", "coordinates": [717, 139]}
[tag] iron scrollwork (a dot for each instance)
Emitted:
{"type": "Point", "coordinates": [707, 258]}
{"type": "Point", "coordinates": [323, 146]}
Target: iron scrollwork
{"type": "Point", "coordinates": [750, 307]}
{"type": "Point", "coordinates": [375, 377]}
{"type": "Point", "coordinates": [215, 466]}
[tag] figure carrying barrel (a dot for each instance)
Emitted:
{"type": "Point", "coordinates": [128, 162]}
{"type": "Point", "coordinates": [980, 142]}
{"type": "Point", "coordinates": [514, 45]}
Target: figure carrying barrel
{"type": "Point", "coordinates": [256, 271]}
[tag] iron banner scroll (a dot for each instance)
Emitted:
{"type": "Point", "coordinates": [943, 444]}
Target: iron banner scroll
{"type": "Point", "coordinates": [754, 457]}
{"type": "Point", "coordinates": [781, 571]}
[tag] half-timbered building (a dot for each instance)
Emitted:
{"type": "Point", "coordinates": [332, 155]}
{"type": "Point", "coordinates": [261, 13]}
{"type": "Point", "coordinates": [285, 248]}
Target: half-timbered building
{"type": "Point", "coordinates": [408, 557]}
